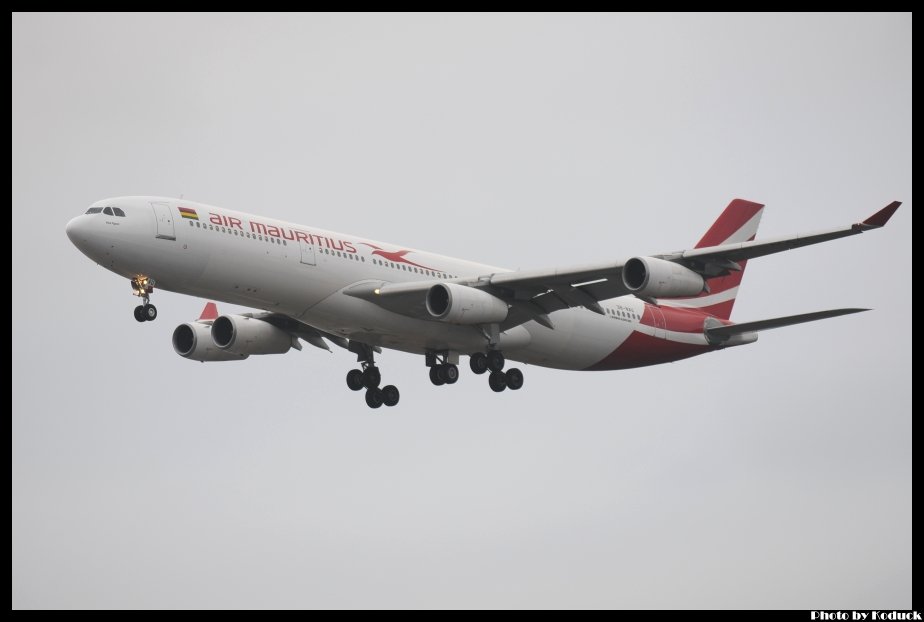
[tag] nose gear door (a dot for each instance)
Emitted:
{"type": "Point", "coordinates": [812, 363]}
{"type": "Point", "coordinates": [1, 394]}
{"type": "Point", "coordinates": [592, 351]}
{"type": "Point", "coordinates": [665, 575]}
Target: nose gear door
{"type": "Point", "coordinates": [164, 219]}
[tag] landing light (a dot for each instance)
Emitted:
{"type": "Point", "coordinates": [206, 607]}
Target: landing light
{"type": "Point", "coordinates": [377, 291]}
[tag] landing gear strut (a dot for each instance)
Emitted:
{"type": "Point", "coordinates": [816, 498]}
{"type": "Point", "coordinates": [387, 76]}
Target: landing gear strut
{"type": "Point", "coordinates": [369, 377]}
{"type": "Point", "coordinates": [142, 287]}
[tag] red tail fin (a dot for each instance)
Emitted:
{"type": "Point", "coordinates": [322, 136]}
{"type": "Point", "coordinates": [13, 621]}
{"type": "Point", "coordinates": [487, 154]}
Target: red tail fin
{"type": "Point", "coordinates": [738, 223]}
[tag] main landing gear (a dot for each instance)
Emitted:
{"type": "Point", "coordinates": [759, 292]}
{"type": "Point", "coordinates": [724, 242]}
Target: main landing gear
{"type": "Point", "coordinates": [142, 287]}
{"type": "Point", "coordinates": [494, 362]}
{"type": "Point", "coordinates": [369, 378]}
{"type": "Point", "coordinates": [442, 371]}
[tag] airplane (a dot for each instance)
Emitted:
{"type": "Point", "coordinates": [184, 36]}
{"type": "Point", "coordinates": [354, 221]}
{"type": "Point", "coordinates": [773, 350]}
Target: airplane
{"type": "Point", "coordinates": [322, 287]}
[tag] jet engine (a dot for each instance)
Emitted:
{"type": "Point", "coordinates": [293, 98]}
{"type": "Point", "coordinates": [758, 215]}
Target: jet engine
{"type": "Point", "coordinates": [459, 304]}
{"type": "Point", "coordinates": [244, 335]}
{"type": "Point", "coordinates": [656, 278]}
{"type": "Point", "coordinates": [194, 341]}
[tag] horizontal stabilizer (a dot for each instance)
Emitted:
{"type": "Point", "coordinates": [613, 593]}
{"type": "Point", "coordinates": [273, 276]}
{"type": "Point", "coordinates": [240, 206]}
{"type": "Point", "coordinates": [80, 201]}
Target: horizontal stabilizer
{"type": "Point", "coordinates": [720, 333]}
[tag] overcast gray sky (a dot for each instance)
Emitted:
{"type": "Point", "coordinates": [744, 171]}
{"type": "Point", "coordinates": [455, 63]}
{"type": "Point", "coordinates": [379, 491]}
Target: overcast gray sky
{"type": "Point", "coordinates": [776, 475]}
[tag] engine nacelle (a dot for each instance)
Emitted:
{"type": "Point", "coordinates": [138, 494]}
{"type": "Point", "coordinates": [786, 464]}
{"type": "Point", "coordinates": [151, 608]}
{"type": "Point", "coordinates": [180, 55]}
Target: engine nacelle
{"type": "Point", "coordinates": [194, 341]}
{"type": "Point", "coordinates": [244, 335]}
{"type": "Point", "coordinates": [656, 278]}
{"type": "Point", "coordinates": [459, 304]}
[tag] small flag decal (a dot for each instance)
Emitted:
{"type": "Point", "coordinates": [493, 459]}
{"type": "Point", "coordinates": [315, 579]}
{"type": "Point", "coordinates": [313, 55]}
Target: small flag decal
{"type": "Point", "coordinates": [187, 212]}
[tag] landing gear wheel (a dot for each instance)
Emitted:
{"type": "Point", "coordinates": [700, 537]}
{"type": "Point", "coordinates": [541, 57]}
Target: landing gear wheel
{"type": "Point", "coordinates": [355, 379]}
{"type": "Point", "coordinates": [390, 395]}
{"type": "Point", "coordinates": [450, 373]}
{"type": "Point", "coordinates": [478, 363]}
{"type": "Point", "coordinates": [496, 360]}
{"type": "Point", "coordinates": [374, 398]}
{"type": "Point", "coordinates": [514, 378]}
{"type": "Point", "coordinates": [435, 376]}
{"type": "Point", "coordinates": [372, 378]}
{"type": "Point", "coordinates": [142, 287]}
{"type": "Point", "coordinates": [498, 381]}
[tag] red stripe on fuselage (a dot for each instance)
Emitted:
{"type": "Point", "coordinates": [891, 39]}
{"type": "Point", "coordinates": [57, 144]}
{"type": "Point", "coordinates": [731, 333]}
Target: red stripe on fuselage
{"type": "Point", "coordinates": [684, 320]}
{"type": "Point", "coordinates": [641, 350]}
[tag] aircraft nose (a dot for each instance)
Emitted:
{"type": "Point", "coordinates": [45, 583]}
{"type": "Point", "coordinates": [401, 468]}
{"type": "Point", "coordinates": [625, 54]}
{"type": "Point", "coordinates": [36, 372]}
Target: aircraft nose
{"type": "Point", "coordinates": [73, 229]}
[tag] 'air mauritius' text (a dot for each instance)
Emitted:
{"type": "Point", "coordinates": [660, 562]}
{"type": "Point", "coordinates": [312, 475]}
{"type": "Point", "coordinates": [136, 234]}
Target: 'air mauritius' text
{"type": "Point", "coordinates": [259, 228]}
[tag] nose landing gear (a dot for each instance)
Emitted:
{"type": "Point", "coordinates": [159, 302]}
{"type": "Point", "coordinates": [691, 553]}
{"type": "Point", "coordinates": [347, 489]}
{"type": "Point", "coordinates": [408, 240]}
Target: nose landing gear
{"type": "Point", "coordinates": [142, 287]}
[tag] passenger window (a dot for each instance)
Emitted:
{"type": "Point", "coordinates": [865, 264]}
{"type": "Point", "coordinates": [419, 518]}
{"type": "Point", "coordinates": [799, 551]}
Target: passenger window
{"type": "Point", "coordinates": [94, 210]}
{"type": "Point", "coordinates": [118, 211]}
{"type": "Point", "coordinates": [108, 211]}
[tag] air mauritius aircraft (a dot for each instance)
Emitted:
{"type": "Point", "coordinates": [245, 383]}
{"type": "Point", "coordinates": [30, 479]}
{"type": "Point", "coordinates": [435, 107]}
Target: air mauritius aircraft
{"type": "Point", "coordinates": [323, 287]}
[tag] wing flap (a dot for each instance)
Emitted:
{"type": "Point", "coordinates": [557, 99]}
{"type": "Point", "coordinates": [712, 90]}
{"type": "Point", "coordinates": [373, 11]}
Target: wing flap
{"type": "Point", "coordinates": [532, 282]}
{"type": "Point", "coordinates": [299, 329]}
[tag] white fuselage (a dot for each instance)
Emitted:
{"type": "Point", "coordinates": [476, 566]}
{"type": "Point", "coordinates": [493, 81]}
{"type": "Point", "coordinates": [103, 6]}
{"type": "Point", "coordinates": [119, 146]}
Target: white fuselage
{"type": "Point", "coordinates": [302, 271]}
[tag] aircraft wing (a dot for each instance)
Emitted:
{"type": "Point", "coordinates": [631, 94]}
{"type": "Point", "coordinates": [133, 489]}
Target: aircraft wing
{"type": "Point", "coordinates": [531, 294]}
{"type": "Point", "coordinates": [534, 294]}
{"type": "Point", "coordinates": [551, 290]}
{"type": "Point", "coordinates": [759, 248]}
{"type": "Point", "coordinates": [299, 329]}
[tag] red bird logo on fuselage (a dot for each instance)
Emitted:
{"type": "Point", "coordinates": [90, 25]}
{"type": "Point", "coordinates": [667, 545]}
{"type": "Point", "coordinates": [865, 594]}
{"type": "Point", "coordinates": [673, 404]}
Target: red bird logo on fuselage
{"type": "Point", "coordinates": [395, 256]}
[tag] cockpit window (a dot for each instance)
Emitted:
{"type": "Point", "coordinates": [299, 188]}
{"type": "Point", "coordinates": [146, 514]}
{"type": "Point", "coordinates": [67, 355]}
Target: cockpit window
{"type": "Point", "coordinates": [118, 211]}
{"type": "Point", "coordinates": [94, 210]}
{"type": "Point", "coordinates": [108, 211]}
